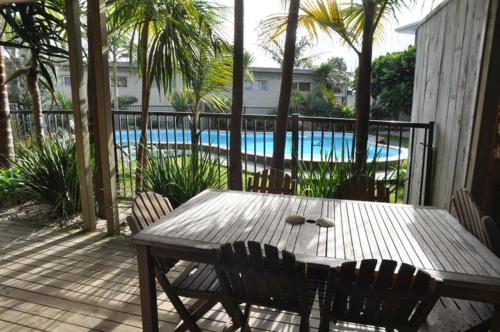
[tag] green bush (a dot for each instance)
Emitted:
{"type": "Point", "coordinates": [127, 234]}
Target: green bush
{"type": "Point", "coordinates": [175, 177]}
{"type": "Point", "coordinates": [12, 190]}
{"type": "Point", "coordinates": [50, 175]}
{"type": "Point", "coordinates": [322, 179]}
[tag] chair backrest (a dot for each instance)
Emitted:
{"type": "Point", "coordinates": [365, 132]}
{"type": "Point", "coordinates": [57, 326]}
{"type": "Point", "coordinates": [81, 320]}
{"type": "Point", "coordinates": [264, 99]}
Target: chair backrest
{"type": "Point", "coordinates": [249, 276]}
{"type": "Point", "coordinates": [493, 234]}
{"type": "Point", "coordinates": [148, 208]}
{"type": "Point", "coordinates": [380, 298]}
{"type": "Point", "coordinates": [272, 181]}
{"type": "Point", "coordinates": [363, 188]}
{"type": "Point", "coordinates": [468, 214]}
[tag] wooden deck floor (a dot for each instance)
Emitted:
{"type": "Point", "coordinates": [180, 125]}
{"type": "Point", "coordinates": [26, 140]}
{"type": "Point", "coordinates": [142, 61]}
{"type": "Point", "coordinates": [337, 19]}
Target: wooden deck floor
{"type": "Point", "coordinates": [62, 280]}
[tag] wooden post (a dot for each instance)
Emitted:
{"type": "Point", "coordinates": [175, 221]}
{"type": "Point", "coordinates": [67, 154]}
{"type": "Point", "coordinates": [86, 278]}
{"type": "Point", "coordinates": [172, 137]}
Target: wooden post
{"type": "Point", "coordinates": [80, 114]}
{"type": "Point", "coordinates": [98, 47]}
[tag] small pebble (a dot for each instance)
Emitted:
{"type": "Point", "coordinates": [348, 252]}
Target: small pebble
{"type": "Point", "coordinates": [295, 219]}
{"type": "Point", "coordinates": [325, 222]}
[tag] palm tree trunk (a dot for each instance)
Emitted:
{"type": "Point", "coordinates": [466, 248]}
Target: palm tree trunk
{"type": "Point", "coordinates": [146, 91]}
{"type": "Point", "coordinates": [195, 135]}
{"type": "Point", "coordinates": [235, 181]}
{"type": "Point", "coordinates": [6, 140]}
{"type": "Point", "coordinates": [36, 101]}
{"type": "Point", "coordinates": [286, 87]}
{"type": "Point", "coordinates": [363, 92]}
{"type": "Point", "coordinates": [94, 138]}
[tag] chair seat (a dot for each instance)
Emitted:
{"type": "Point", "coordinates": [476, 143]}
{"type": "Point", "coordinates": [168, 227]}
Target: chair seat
{"type": "Point", "coordinates": [197, 280]}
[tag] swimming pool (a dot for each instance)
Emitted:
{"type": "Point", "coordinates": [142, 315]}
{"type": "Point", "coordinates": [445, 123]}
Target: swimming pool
{"type": "Point", "coordinates": [311, 143]}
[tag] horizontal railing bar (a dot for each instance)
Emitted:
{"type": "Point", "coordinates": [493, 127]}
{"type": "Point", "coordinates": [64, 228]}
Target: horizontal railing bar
{"type": "Point", "coordinates": [257, 116]}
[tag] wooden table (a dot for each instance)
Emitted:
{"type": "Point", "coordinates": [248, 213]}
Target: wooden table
{"type": "Point", "coordinates": [426, 237]}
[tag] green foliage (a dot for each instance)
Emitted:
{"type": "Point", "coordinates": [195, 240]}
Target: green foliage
{"type": "Point", "coordinates": [12, 188]}
{"type": "Point", "coordinates": [63, 101]}
{"type": "Point", "coordinates": [177, 179]}
{"type": "Point", "coordinates": [49, 172]}
{"type": "Point", "coordinates": [125, 101]}
{"type": "Point", "coordinates": [182, 101]}
{"type": "Point", "coordinates": [392, 85]}
{"type": "Point", "coordinates": [276, 50]}
{"type": "Point", "coordinates": [322, 179]}
{"type": "Point", "coordinates": [40, 28]}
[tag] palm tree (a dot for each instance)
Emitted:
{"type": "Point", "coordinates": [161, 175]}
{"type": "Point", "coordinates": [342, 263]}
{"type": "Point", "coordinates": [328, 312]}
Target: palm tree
{"type": "Point", "coordinates": [6, 140]}
{"type": "Point", "coordinates": [275, 49]}
{"type": "Point", "coordinates": [235, 170]}
{"type": "Point", "coordinates": [38, 27]}
{"type": "Point", "coordinates": [279, 142]}
{"type": "Point", "coordinates": [357, 24]}
{"type": "Point", "coordinates": [166, 33]}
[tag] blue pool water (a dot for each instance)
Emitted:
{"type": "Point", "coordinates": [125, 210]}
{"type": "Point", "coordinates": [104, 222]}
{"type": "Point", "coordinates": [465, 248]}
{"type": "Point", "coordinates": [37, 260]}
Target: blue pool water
{"type": "Point", "coordinates": [314, 143]}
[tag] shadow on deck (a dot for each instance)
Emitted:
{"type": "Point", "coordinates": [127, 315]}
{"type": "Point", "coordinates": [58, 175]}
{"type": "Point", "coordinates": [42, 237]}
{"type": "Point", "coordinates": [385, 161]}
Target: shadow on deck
{"type": "Point", "coordinates": [63, 280]}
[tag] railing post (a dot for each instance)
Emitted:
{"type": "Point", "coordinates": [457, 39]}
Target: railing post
{"type": "Point", "coordinates": [429, 166]}
{"type": "Point", "coordinates": [295, 145]}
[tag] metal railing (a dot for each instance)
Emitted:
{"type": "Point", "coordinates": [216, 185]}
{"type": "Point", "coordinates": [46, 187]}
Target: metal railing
{"type": "Point", "coordinates": [310, 142]}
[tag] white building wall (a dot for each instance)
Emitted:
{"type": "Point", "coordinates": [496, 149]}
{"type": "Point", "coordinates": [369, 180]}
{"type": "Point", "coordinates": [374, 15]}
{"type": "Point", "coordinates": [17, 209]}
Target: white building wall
{"type": "Point", "coordinates": [267, 98]}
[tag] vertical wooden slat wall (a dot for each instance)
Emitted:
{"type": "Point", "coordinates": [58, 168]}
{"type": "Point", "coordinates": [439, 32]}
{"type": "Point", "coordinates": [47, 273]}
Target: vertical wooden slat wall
{"type": "Point", "coordinates": [449, 55]}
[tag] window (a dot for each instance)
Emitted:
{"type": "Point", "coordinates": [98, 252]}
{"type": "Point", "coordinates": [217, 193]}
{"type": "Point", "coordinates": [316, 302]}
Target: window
{"type": "Point", "coordinates": [304, 86]}
{"type": "Point", "coordinates": [257, 85]}
{"type": "Point", "coordinates": [67, 80]}
{"type": "Point", "coordinates": [121, 81]}
{"type": "Point", "coordinates": [301, 86]}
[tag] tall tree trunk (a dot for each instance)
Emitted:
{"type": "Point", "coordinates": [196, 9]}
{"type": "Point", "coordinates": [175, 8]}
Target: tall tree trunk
{"type": "Point", "coordinates": [363, 92]}
{"type": "Point", "coordinates": [116, 106]}
{"type": "Point", "coordinates": [235, 181]}
{"type": "Point", "coordinates": [195, 135]}
{"type": "Point", "coordinates": [6, 140]}
{"type": "Point", "coordinates": [146, 91]}
{"type": "Point", "coordinates": [286, 87]}
{"type": "Point", "coordinates": [36, 100]}
{"type": "Point", "coordinates": [94, 137]}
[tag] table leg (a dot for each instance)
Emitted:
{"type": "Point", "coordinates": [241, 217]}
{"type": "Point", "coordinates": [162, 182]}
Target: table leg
{"type": "Point", "coordinates": [147, 284]}
{"type": "Point", "coordinates": [495, 324]}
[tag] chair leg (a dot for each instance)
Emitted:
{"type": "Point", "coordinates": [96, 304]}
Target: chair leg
{"type": "Point", "coordinates": [197, 311]}
{"type": "Point", "coordinates": [234, 311]}
{"type": "Point", "coordinates": [246, 316]}
{"type": "Point", "coordinates": [324, 325]}
{"type": "Point", "coordinates": [304, 323]}
{"type": "Point", "coordinates": [185, 315]}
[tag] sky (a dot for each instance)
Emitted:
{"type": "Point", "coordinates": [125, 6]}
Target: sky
{"type": "Point", "coordinates": [326, 47]}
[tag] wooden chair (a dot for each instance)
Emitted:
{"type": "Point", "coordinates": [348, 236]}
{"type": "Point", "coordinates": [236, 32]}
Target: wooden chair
{"type": "Point", "coordinates": [251, 277]}
{"type": "Point", "coordinates": [147, 209]}
{"type": "Point", "coordinates": [363, 188]}
{"type": "Point", "coordinates": [468, 214]}
{"type": "Point", "coordinates": [272, 181]}
{"type": "Point", "coordinates": [380, 298]}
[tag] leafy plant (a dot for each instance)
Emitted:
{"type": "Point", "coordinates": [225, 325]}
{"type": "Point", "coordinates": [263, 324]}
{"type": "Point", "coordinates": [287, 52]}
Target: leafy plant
{"type": "Point", "coordinates": [392, 86]}
{"type": "Point", "coordinates": [62, 101]}
{"type": "Point", "coordinates": [125, 101]}
{"type": "Point", "coordinates": [323, 178]}
{"type": "Point", "coordinates": [12, 188]}
{"type": "Point", "coordinates": [50, 175]}
{"type": "Point", "coordinates": [175, 178]}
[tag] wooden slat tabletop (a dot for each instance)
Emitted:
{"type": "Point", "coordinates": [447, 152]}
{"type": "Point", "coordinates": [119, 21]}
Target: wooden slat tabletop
{"type": "Point", "coordinates": [425, 237]}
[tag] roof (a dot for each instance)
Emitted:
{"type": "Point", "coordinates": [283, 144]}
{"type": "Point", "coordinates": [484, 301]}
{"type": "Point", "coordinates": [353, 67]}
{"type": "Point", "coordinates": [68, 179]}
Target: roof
{"type": "Point", "coordinates": [409, 29]}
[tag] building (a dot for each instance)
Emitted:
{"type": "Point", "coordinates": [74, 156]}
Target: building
{"type": "Point", "coordinates": [263, 92]}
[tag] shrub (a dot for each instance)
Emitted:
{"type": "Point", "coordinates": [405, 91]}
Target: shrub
{"type": "Point", "coordinates": [174, 177]}
{"type": "Point", "coordinates": [12, 190]}
{"type": "Point", "coordinates": [322, 179]}
{"type": "Point", "coordinates": [50, 174]}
